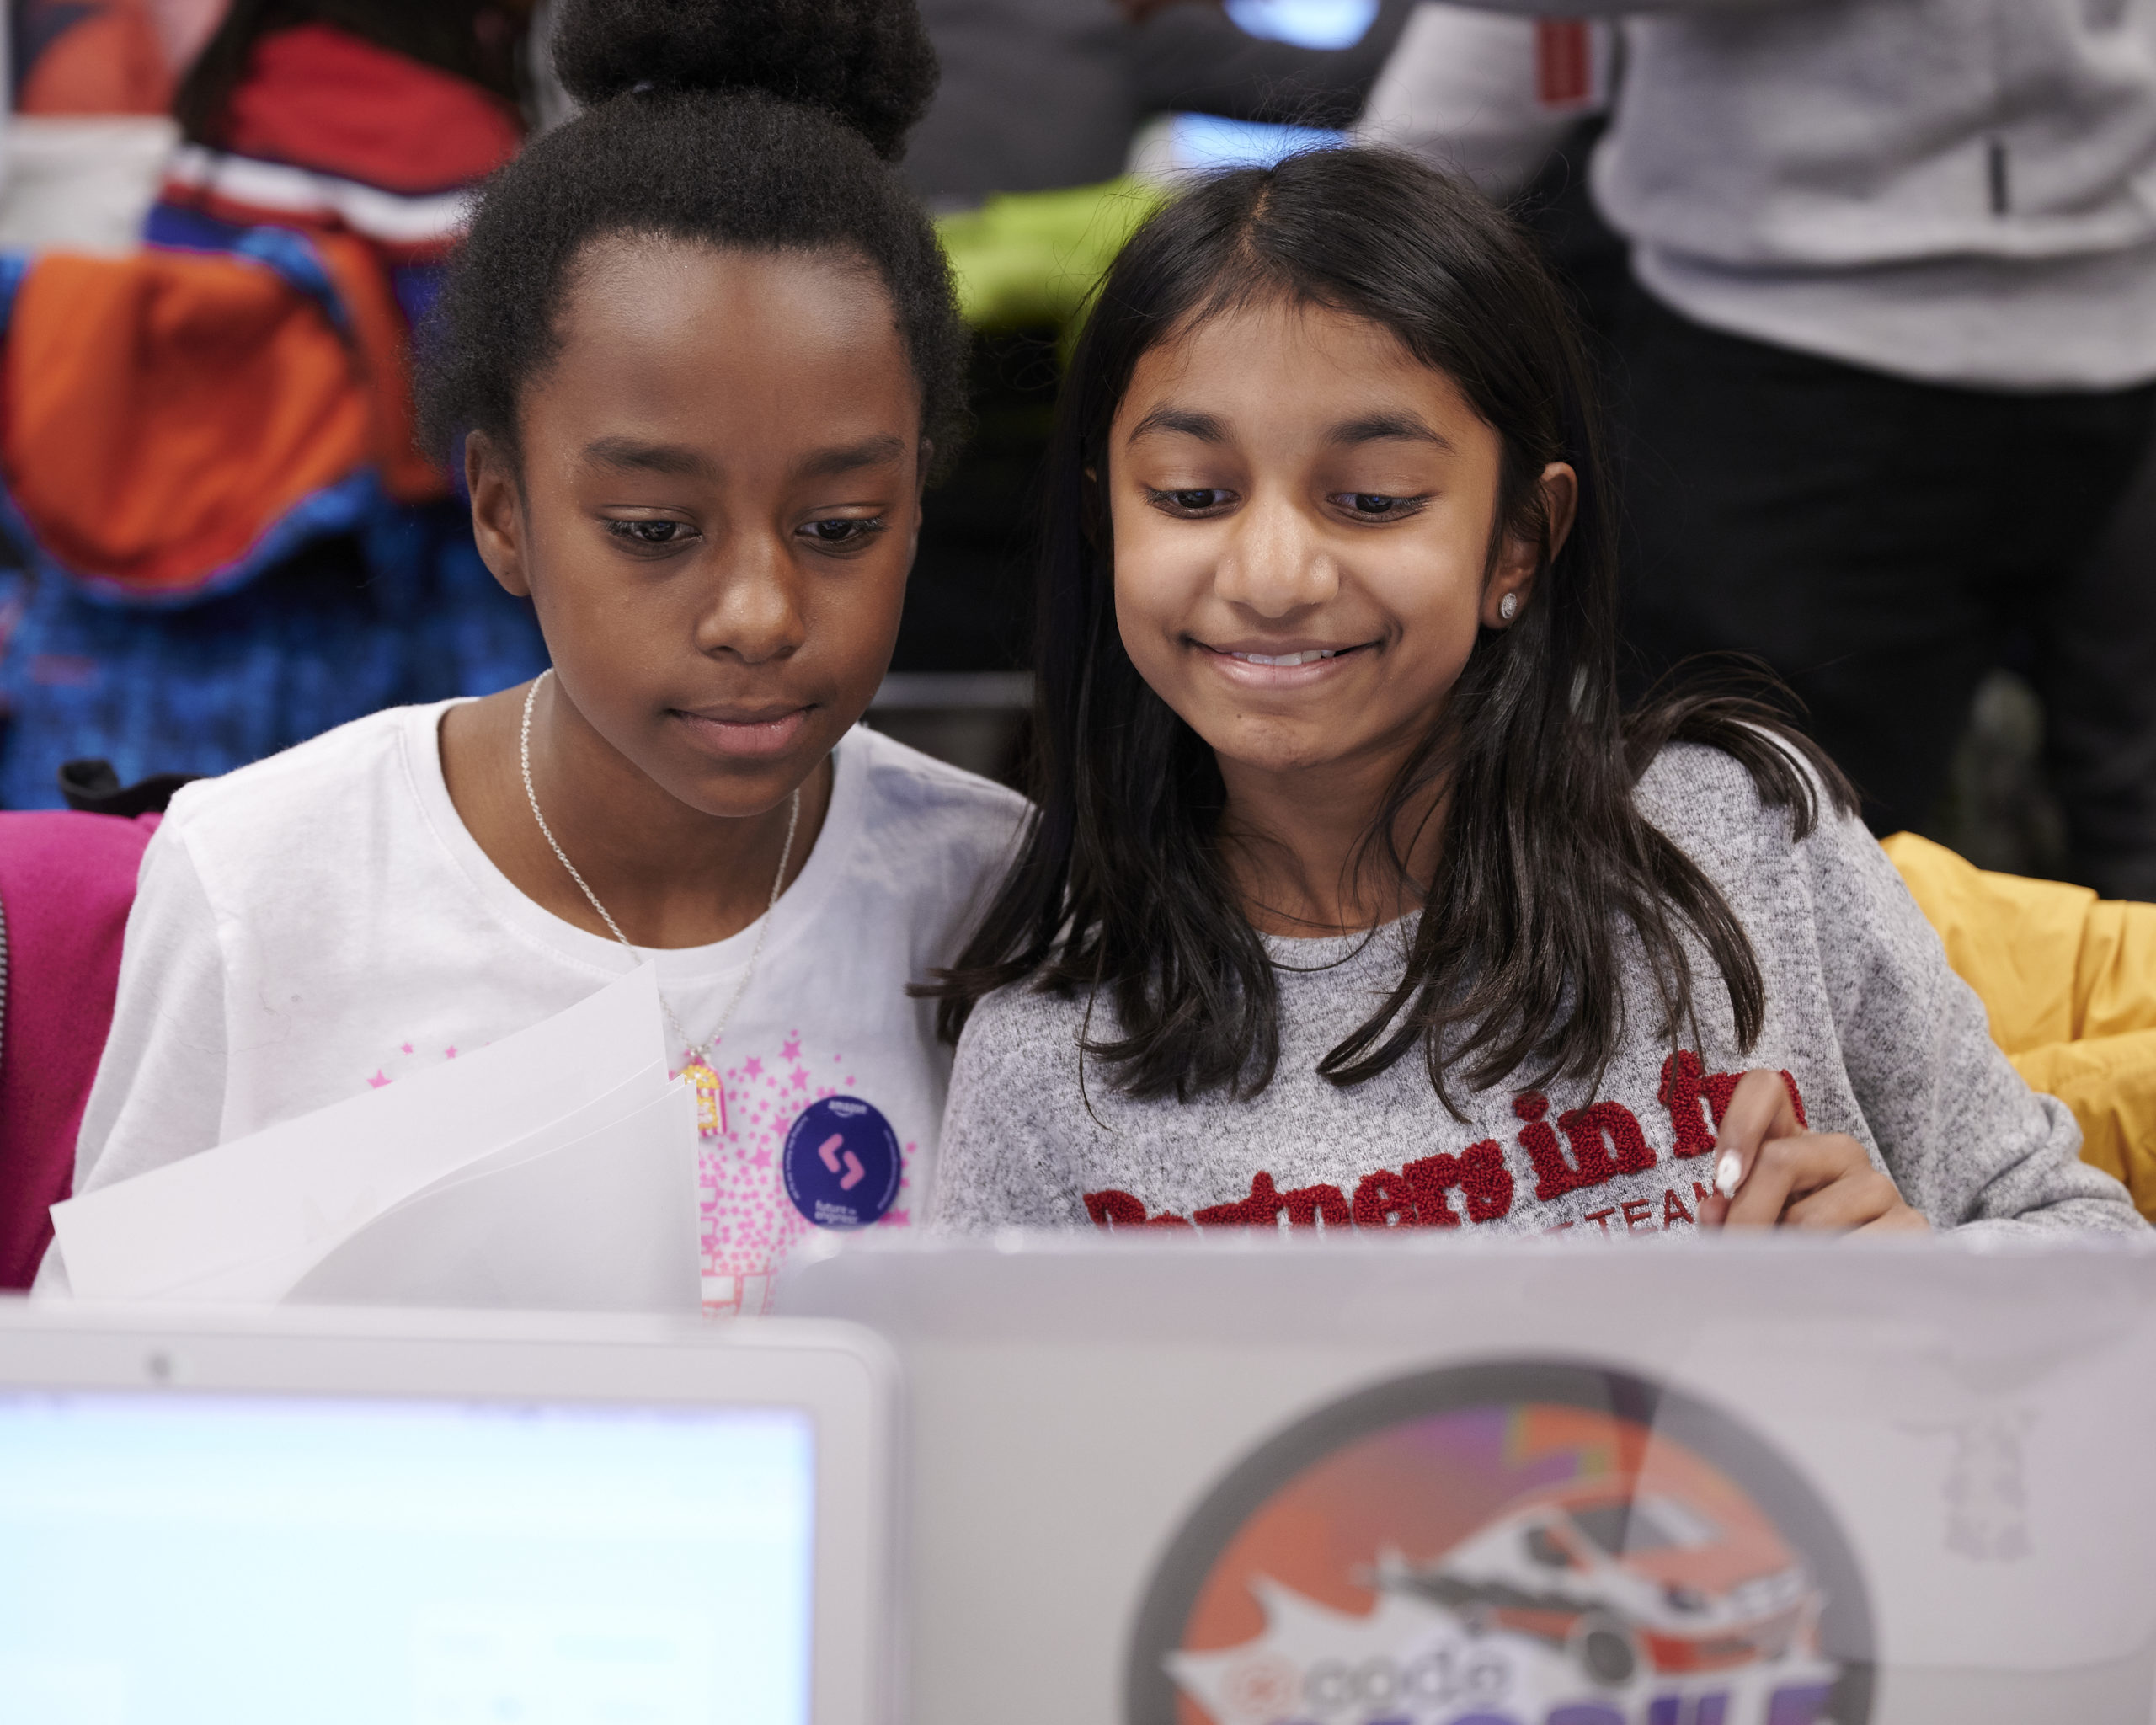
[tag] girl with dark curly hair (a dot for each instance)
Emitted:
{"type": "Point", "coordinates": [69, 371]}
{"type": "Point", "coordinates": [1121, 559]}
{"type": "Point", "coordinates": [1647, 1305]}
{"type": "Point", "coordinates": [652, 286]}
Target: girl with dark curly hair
{"type": "Point", "coordinates": [700, 351]}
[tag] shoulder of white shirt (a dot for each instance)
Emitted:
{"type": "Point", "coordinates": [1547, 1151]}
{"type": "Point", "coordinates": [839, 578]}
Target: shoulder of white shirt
{"type": "Point", "coordinates": [896, 772]}
{"type": "Point", "coordinates": [312, 781]}
{"type": "Point", "coordinates": [302, 784]}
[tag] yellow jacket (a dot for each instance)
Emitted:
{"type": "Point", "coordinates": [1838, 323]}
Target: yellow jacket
{"type": "Point", "coordinates": [2069, 982]}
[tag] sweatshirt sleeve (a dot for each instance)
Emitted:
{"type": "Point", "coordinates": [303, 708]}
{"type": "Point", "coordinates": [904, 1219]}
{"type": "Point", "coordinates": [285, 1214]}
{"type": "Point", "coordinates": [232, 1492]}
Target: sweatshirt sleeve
{"type": "Point", "coordinates": [999, 1163]}
{"type": "Point", "coordinates": [159, 1092]}
{"type": "Point", "coordinates": [1963, 1135]}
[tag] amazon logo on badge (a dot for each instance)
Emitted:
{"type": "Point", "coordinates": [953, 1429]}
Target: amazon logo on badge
{"type": "Point", "coordinates": [1524, 1543]}
{"type": "Point", "coordinates": [842, 1163]}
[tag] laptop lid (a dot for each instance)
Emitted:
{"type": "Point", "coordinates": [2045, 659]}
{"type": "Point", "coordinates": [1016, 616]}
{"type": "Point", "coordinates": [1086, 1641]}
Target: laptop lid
{"type": "Point", "coordinates": [1243, 1481]}
{"type": "Point", "coordinates": [351, 1519]}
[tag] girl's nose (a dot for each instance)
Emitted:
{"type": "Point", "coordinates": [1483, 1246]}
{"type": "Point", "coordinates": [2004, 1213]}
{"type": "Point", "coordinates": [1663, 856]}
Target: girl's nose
{"type": "Point", "coordinates": [755, 613]}
{"type": "Point", "coordinates": [1274, 564]}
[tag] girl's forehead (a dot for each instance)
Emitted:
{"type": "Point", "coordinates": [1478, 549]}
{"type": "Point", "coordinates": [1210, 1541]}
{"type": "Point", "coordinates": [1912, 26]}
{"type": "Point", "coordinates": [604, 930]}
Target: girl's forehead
{"type": "Point", "coordinates": [624, 287]}
{"type": "Point", "coordinates": [1278, 356]}
{"type": "Point", "coordinates": [727, 340]}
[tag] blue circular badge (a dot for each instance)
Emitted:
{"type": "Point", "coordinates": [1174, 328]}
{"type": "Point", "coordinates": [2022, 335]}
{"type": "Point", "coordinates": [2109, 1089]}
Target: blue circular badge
{"type": "Point", "coordinates": [842, 1163]}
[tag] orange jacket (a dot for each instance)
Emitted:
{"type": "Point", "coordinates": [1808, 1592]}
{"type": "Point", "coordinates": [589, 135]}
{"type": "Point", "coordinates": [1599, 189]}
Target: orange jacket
{"type": "Point", "coordinates": [168, 420]}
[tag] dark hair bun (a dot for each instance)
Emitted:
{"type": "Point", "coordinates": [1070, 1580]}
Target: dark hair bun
{"type": "Point", "coordinates": [867, 61]}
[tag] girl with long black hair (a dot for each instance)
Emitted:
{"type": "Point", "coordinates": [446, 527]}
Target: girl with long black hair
{"type": "Point", "coordinates": [1353, 899]}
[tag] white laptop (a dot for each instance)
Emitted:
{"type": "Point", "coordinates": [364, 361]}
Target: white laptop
{"type": "Point", "coordinates": [320, 1518]}
{"type": "Point", "coordinates": [1236, 1481]}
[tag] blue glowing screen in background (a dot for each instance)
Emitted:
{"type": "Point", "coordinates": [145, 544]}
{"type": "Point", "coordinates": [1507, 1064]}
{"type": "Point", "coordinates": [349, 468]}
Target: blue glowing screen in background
{"type": "Point", "coordinates": [1205, 142]}
{"type": "Point", "coordinates": [175, 1560]}
{"type": "Point", "coordinates": [1308, 23]}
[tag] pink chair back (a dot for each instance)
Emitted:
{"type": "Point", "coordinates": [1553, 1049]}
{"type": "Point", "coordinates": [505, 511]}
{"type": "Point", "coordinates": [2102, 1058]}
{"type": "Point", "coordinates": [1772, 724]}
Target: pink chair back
{"type": "Point", "coordinates": [67, 882]}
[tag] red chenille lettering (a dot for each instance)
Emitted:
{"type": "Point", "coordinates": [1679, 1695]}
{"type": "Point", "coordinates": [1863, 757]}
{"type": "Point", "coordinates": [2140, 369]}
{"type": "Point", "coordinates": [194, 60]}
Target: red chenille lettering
{"type": "Point", "coordinates": [1114, 1209]}
{"type": "Point", "coordinates": [1629, 1152]}
{"type": "Point", "coordinates": [1307, 1205]}
{"type": "Point", "coordinates": [1795, 1099]}
{"type": "Point", "coordinates": [1554, 1177]}
{"type": "Point", "coordinates": [1721, 1087]}
{"type": "Point", "coordinates": [1384, 1200]}
{"type": "Point", "coordinates": [1430, 1177]}
{"type": "Point", "coordinates": [1261, 1210]}
{"type": "Point", "coordinates": [1479, 1174]}
{"type": "Point", "coordinates": [1684, 1094]}
{"type": "Point", "coordinates": [1486, 1181]}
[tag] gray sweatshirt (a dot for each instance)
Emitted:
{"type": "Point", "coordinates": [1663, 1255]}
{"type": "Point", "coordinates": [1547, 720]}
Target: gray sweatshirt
{"type": "Point", "coordinates": [1961, 191]}
{"type": "Point", "coordinates": [1876, 1035]}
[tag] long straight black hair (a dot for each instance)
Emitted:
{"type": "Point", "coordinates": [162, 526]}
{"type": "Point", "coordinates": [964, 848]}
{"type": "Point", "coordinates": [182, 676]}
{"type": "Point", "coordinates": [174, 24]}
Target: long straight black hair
{"type": "Point", "coordinates": [1546, 864]}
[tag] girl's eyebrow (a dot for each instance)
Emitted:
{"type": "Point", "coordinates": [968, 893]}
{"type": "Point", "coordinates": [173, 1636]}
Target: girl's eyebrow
{"type": "Point", "coordinates": [1379, 427]}
{"type": "Point", "coordinates": [851, 457]}
{"type": "Point", "coordinates": [628, 454]}
{"type": "Point", "coordinates": [1179, 422]}
{"type": "Point", "coordinates": [682, 462]}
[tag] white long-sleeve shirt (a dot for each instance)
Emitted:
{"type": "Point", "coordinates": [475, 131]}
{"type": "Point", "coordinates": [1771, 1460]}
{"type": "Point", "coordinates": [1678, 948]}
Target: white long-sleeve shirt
{"type": "Point", "coordinates": [1960, 191]}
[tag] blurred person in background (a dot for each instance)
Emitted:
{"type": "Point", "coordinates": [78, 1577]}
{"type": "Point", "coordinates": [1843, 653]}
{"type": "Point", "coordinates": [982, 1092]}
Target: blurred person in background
{"type": "Point", "coordinates": [1038, 94]}
{"type": "Point", "coordinates": [1888, 356]}
{"type": "Point", "coordinates": [1035, 95]}
{"type": "Point", "coordinates": [374, 118]}
{"type": "Point", "coordinates": [1517, 105]}
{"type": "Point", "coordinates": [330, 145]}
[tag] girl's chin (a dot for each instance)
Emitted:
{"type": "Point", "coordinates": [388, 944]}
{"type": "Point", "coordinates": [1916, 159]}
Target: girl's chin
{"type": "Point", "coordinates": [741, 799]}
{"type": "Point", "coordinates": [1283, 751]}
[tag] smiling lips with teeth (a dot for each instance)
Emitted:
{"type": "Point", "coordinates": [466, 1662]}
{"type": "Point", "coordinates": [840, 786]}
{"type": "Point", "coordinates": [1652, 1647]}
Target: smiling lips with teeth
{"type": "Point", "coordinates": [1311, 657]}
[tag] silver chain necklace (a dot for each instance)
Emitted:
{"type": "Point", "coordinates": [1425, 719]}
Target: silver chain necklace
{"type": "Point", "coordinates": [698, 1065]}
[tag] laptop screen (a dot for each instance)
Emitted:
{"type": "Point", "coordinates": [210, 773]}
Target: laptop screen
{"type": "Point", "coordinates": [222, 1559]}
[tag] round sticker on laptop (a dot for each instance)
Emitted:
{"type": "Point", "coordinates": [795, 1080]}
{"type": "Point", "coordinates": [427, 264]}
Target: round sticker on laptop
{"type": "Point", "coordinates": [842, 1163]}
{"type": "Point", "coordinates": [1529, 1544]}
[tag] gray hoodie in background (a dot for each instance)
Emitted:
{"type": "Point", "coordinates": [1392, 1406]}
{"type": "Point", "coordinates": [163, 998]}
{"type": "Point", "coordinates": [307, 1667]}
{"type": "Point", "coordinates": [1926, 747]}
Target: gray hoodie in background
{"type": "Point", "coordinates": [1958, 191]}
{"type": "Point", "coordinates": [1042, 93]}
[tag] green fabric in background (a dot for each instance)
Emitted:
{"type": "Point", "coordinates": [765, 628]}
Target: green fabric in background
{"type": "Point", "coordinates": [1032, 258]}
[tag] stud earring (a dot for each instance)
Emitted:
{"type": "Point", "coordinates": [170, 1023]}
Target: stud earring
{"type": "Point", "coordinates": [1509, 607]}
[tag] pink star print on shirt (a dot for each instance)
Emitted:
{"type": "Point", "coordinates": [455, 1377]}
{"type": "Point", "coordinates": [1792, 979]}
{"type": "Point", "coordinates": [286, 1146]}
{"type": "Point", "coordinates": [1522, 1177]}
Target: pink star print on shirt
{"type": "Point", "coordinates": [749, 1224]}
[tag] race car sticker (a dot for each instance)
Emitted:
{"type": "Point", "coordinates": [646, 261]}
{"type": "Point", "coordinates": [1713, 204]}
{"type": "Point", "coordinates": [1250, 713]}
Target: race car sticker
{"type": "Point", "coordinates": [1507, 1544]}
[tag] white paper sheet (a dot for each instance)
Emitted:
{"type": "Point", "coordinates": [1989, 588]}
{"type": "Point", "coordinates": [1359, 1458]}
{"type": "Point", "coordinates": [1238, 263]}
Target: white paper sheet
{"type": "Point", "coordinates": [266, 1279]}
{"type": "Point", "coordinates": [607, 1223]}
{"type": "Point", "coordinates": [245, 1222]}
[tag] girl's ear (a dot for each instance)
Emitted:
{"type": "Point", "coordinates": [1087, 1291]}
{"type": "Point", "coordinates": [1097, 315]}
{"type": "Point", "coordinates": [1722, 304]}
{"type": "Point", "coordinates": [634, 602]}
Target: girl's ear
{"type": "Point", "coordinates": [1512, 583]}
{"type": "Point", "coordinates": [1560, 503]}
{"type": "Point", "coordinates": [496, 513]}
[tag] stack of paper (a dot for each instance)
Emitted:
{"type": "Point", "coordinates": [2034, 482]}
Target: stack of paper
{"type": "Point", "coordinates": [554, 1169]}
